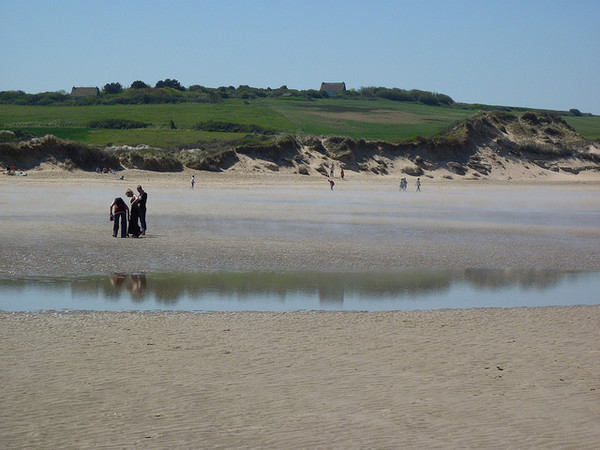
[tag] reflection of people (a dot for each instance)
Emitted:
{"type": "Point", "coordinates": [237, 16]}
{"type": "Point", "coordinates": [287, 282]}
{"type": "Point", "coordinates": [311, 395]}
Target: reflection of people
{"type": "Point", "coordinates": [119, 213]}
{"type": "Point", "coordinates": [117, 279]}
{"type": "Point", "coordinates": [134, 226]}
{"type": "Point", "coordinates": [143, 197]}
{"type": "Point", "coordinates": [138, 284]}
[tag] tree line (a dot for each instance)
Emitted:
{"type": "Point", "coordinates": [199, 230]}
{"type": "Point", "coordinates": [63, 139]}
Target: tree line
{"type": "Point", "coordinates": [171, 91]}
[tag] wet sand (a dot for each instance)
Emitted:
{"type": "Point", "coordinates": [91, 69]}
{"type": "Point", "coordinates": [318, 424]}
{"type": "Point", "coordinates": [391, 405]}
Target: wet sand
{"type": "Point", "coordinates": [235, 223]}
{"type": "Point", "coordinates": [480, 378]}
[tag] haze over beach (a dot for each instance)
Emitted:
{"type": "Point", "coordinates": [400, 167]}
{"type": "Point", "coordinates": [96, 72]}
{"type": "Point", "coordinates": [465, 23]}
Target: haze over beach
{"type": "Point", "coordinates": [508, 203]}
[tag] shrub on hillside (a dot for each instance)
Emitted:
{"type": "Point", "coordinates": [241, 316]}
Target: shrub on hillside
{"type": "Point", "coordinates": [230, 127]}
{"type": "Point", "coordinates": [168, 83]}
{"type": "Point", "coordinates": [112, 88]}
{"type": "Point", "coordinates": [158, 161]}
{"type": "Point", "coordinates": [30, 153]}
{"type": "Point", "coordinates": [281, 150]}
{"type": "Point", "coordinates": [214, 161]}
{"type": "Point", "coordinates": [397, 95]}
{"type": "Point", "coordinates": [139, 85]}
{"type": "Point", "coordinates": [117, 124]}
{"type": "Point", "coordinates": [413, 171]}
{"type": "Point", "coordinates": [14, 135]}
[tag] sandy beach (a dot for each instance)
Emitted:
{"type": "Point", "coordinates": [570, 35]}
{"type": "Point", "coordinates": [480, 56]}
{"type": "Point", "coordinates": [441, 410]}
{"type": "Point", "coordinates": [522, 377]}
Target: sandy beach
{"type": "Point", "coordinates": [478, 378]}
{"type": "Point", "coordinates": [483, 378]}
{"type": "Point", "coordinates": [56, 223]}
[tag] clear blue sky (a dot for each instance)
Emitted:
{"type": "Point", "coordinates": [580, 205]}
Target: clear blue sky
{"type": "Point", "coordinates": [532, 53]}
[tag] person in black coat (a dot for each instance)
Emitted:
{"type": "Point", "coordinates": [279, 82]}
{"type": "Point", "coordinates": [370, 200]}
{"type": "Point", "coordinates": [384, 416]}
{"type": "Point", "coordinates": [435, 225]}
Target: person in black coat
{"type": "Point", "coordinates": [134, 226]}
{"type": "Point", "coordinates": [119, 211]}
{"type": "Point", "coordinates": [143, 197]}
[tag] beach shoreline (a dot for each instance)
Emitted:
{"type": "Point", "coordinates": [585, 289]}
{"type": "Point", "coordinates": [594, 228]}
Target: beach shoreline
{"type": "Point", "coordinates": [477, 378]}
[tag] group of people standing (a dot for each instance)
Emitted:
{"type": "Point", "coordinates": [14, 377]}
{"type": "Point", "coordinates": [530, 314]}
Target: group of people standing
{"type": "Point", "coordinates": [129, 218]}
{"type": "Point", "coordinates": [404, 184]}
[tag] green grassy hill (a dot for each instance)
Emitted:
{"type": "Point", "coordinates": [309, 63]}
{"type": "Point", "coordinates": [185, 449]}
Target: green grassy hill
{"type": "Point", "coordinates": [377, 119]}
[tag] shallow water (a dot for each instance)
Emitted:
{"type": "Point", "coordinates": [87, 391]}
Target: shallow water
{"type": "Point", "coordinates": [269, 291]}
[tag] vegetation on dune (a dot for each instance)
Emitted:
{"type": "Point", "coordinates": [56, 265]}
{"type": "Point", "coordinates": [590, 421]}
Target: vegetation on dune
{"type": "Point", "coordinates": [174, 115]}
{"type": "Point", "coordinates": [157, 160]}
{"type": "Point", "coordinates": [171, 127]}
{"type": "Point", "coordinates": [117, 124]}
{"type": "Point", "coordinates": [66, 154]}
{"type": "Point", "coordinates": [229, 127]}
{"type": "Point", "coordinates": [541, 138]}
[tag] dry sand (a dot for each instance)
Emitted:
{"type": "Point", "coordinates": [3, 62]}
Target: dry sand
{"type": "Point", "coordinates": [483, 378]}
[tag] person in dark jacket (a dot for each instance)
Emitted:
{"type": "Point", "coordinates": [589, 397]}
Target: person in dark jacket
{"type": "Point", "coordinates": [142, 198]}
{"type": "Point", "coordinates": [119, 211]}
{"type": "Point", "coordinates": [134, 226]}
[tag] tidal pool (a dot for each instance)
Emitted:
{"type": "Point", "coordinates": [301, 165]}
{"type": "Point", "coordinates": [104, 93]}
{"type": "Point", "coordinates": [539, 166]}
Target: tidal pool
{"type": "Point", "coordinates": [271, 291]}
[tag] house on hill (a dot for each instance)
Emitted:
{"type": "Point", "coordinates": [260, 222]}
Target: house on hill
{"type": "Point", "coordinates": [83, 92]}
{"type": "Point", "coordinates": [333, 88]}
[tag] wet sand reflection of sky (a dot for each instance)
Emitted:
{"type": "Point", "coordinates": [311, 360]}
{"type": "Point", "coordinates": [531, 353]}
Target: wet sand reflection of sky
{"type": "Point", "coordinates": [270, 291]}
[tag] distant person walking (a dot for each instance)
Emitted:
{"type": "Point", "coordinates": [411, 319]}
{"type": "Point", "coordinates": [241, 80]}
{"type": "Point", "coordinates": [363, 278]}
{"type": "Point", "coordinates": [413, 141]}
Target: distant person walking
{"type": "Point", "coordinates": [331, 170]}
{"type": "Point", "coordinates": [331, 184]}
{"type": "Point", "coordinates": [193, 182]}
{"type": "Point", "coordinates": [418, 185]}
{"type": "Point", "coordinates": [142, 199]}
{"type": "Point", "coordinates": [342, 174]}
{"type": "Point", "coordinates": [119, 211]}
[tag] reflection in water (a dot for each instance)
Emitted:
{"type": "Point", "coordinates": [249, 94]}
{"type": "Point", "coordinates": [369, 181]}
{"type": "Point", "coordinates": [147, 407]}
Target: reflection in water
{"type": "Point", "coordinates": [135, 283]}
{"type": "Point", "coordinates": [305, 290]}
{"type": "Point", "coordinates": [534, 279]}
{"type": "Point", "coordinates": [331, 295]}
{"type": "Point", "coordinates": [331, 287]}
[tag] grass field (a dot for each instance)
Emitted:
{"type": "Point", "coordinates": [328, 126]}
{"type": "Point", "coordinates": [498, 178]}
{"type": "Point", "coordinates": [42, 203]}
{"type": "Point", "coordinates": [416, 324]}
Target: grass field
{"type": "Point", "coordinates": [369, 119]}
{"type": "Point", "coordinates": [588, 127]}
